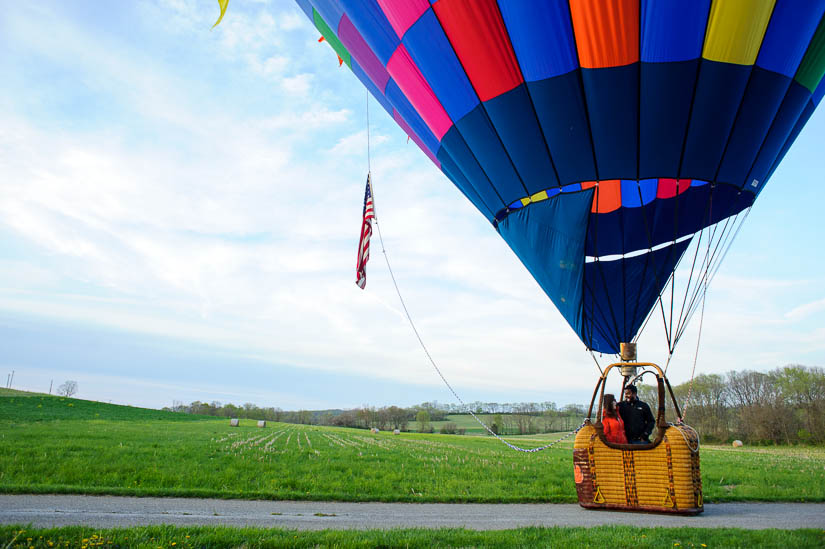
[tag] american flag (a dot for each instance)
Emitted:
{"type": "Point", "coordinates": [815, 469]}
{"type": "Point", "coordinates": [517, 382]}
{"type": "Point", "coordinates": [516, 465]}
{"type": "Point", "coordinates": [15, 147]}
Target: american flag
{"type": "Point", "coordinates": [366, 232]}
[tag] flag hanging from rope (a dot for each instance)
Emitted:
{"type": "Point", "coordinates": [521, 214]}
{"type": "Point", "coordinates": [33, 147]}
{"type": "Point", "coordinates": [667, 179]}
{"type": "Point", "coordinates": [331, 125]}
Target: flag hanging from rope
{"type": "Point", "coordinates": [366, 233]}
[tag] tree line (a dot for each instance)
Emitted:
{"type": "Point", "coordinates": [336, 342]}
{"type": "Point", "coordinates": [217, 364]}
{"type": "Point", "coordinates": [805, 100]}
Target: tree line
{"type": "Point", "coordinates": [783, 406]}
{"type": "Point", "coordinates": [511, 418]}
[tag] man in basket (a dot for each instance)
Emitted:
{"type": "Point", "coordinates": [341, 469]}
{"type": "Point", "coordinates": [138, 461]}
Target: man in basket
{"type": "Point", "coordinates": [637, 417]}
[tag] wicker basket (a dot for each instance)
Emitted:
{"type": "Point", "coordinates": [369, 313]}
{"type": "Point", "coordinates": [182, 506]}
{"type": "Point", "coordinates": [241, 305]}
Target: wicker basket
{"type": "Point", "coordinates": [662, 476]}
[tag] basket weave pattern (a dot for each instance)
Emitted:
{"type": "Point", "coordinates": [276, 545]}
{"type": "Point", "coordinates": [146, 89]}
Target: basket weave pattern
{"type": "Point", "coordinates": [665, 478]}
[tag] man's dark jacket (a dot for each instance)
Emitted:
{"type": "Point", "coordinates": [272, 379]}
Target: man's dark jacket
{"type": "Point", "coordinates": [638, 420]}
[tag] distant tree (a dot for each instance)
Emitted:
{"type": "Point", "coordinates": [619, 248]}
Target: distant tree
{"type": "Point", "coordinates": [498, 424]}
{"type": "Point", "coordinates": [230, 410]}
{"type": "Point", "coordinates": [398, 417]}
{"type": "Point", "coordinates": [708, 409]}
{"type": "Point", "coordinates": [364, 417]}
{"type": "Point", "coordinates": [304, 417]}
{"type": "Point", "coordinates": [449, 428]}
{"type": "Point", "coordinates": [382, 418]}
{"type": "Point", "coordinates": [423, 419]}
{"type": "Point", "coordinates": [68, 388]}
{"type": "Point", "coordinates": [803, 389]}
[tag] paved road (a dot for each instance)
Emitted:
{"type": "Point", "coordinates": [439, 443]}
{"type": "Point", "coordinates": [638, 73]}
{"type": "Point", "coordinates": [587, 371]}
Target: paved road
{"type": "Point", "coordinates": [109, 512]}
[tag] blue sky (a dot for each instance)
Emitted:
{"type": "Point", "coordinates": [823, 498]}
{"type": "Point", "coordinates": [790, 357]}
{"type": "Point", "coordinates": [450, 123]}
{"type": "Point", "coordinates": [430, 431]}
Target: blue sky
{"type": "Point", "coordinates": [180, 208]}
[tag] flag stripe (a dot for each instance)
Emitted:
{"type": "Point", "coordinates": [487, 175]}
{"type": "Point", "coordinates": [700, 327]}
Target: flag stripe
{"type": "Point", "coordinates": [366, 233]}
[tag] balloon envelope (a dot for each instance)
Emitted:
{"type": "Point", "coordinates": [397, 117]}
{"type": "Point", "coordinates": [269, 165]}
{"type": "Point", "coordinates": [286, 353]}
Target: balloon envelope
{"type": "Point", "coordinates": [597, 136]}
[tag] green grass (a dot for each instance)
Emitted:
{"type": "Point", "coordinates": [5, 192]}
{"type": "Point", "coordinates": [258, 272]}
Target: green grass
{"type": "Point", "coordinates": [465, 421]}
{"type": "Point", "coordinates": [216, 537]}
{"type": "Point", "coordinates": [29, 407]}
{"type": "Point", "coordinates": [59, 445]}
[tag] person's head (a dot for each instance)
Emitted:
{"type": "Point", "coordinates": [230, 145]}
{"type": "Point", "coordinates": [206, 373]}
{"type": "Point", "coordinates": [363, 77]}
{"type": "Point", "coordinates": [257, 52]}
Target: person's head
{"type": "Point", "coordinates": [630, 392]}
{"type": "Point", "coordinates": [609, 405]}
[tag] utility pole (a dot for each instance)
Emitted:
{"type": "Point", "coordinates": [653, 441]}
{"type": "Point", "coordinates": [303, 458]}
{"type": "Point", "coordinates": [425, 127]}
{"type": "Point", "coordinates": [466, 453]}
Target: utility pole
{"type": "Point", "coordinates": [50, 386]}
{"type": "Point", "coordinates": [12, 379]}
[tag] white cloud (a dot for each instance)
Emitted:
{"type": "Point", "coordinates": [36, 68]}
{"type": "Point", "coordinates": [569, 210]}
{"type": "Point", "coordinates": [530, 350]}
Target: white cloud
{"type": "Point", "coordinates": [803, 311]}
{"type": "Point", "coordinates": [293, 21]}
{"type": "Point", "coordinates": [299, 84]}
{"type": "Point", "coordinates": [314, 117]}
{"type": "Point", "coordinates": [271, 67]}
{"type": "Point", "coordinates": [356, 143]}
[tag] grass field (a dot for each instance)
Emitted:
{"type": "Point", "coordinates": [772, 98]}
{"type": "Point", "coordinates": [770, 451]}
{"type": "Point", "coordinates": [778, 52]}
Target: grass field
{"type": "Point", "coordinates": [218, 537]}
{"type": "Point", "coordinates": [463, 421]}
{"type": "Point", "coordinates": [60, 445]}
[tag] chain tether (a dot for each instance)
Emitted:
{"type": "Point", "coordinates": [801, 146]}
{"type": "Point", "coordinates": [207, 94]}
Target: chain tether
{"type": "Point", "coordinates": [421, 342]}
{"type": "Point", "coordinates": [430, 358]}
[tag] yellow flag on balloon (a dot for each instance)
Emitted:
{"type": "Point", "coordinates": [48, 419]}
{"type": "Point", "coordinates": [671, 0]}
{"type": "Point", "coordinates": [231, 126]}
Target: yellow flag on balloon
{"type": "Point", "coordinates": [223, 4]}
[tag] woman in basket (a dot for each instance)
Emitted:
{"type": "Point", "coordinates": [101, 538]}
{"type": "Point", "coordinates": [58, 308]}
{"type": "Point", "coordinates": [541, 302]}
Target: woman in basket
{"type": "Point", "coordinates": [612, 421]}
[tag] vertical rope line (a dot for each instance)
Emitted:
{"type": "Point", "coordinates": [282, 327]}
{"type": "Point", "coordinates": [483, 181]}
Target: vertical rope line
{"type": "Point", "coordinates": [703, 268]}
{"type": "Point", "coordinates": [701, 279]}
{"type": "Point", "coordinates": [369, 165]}
{"type": "Point", "coordinates": [696, 354]}
{"type": "Point", "coordinates": [599, 366]}
{"type": "Point", "coordinates": [724, 243]}
{"type": "Point", "coordinates": [727, 249]}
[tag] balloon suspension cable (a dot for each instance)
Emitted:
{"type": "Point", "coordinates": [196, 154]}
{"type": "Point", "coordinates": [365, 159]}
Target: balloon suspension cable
{"type": "Point", "coordinates": [669, 356]}
{"type": "Point", "coordinates": [695, 356]}
{"type": "Point", "coordinates": [596, 360]}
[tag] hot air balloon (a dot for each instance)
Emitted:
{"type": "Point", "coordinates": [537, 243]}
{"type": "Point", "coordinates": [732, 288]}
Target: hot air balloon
{"type": "Point", "coordinates": [601, 138]}
{"type": "Point", "coordinates": [598, 137]}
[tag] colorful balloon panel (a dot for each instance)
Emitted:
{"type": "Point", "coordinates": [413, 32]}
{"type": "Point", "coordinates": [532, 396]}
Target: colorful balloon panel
{"type": "Point", "coordinates": [597, 136]}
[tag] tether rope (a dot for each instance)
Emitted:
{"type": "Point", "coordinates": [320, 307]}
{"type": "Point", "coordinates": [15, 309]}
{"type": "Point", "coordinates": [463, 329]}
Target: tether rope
{"type": "Point", "coordinates": [681, 427]}
{"type": "Point", "coordinates": [441, 375]}
{"type": "Point", "coordinates": [421, 341]}
{"type": "Point", "coordinates": [369, 166]}
{"type": "Point", "coordinates": [695, 356]}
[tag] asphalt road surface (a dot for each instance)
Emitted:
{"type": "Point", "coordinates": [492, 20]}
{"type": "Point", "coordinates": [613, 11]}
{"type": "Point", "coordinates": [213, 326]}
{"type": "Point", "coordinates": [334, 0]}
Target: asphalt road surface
{"type": "Point", "coordinates": [109, 512]}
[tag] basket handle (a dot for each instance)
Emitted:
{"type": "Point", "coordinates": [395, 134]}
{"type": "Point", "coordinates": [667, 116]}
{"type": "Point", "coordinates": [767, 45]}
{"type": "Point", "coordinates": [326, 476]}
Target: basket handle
{"type": "Point", "coordinates": [661, 422]}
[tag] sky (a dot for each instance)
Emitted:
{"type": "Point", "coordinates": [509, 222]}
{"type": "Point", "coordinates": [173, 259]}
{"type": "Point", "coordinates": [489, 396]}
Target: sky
{"type": "Point", "coordinates": [180, 209]}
